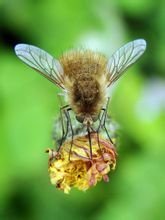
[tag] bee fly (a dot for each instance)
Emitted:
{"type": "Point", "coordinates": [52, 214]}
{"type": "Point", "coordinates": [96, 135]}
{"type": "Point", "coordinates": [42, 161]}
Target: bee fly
{"type": "Point", "coordinates": [85, 76]}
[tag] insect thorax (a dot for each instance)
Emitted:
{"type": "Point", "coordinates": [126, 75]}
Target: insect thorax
{"type": "Point", "coordinates": [82, 62]}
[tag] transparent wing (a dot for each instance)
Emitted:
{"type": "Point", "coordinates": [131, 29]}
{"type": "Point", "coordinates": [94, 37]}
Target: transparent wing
{"type": "Point", "coordinates": [123, 58]}
{"type": "Point", "coordinates": [41, 61]}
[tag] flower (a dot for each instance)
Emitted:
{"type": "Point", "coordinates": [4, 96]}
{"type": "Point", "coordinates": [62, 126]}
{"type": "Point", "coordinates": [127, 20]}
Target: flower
{"type": "Point", "coordinates": [76, 167]}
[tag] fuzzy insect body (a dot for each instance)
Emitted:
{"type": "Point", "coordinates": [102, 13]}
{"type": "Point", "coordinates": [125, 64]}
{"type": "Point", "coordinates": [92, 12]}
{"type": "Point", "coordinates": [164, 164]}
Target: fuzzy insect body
{"type": "Point", "coordinates": [86, 82]}
{"type": "Point", "coordinates": [83, 74]}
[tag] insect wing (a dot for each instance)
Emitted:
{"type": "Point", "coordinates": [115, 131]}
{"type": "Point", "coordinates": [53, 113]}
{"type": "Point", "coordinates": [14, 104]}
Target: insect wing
{"type": "Point", "coordinates": [41, 61]}
{"type": "Point", "coordinates": [123, 58]}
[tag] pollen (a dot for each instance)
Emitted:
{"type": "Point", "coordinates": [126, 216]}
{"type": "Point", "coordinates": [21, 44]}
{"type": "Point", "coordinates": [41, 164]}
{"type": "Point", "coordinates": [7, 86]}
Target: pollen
{"type": "Point", "coordinates": [78, 170]}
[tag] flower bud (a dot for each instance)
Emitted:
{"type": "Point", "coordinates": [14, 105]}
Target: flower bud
{"type": "Point", "coordinates": [75, 167]}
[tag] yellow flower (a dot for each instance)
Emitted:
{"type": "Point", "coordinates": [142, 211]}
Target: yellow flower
{"type": "Point", "coordinates": [79, 170]}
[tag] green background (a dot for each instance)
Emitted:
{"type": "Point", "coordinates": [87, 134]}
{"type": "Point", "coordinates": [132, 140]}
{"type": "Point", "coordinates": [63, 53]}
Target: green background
{"type": "Point", "coordinates": [28, 105]}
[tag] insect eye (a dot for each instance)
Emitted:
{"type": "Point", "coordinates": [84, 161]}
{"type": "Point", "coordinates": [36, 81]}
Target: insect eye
{"type": "Point", "coordinates": [80, 118]}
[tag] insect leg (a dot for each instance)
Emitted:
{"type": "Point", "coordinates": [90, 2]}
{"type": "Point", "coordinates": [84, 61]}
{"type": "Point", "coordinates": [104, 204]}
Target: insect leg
{"type": "Point", "coordinates": [64, 132]}
{"type": "Point", "coordinates": [107, 133]}
{"type": "Point", "coordinates": [71, 127]}
{"type": "Point", "coordinates": [90, 142]}
{"type": "Point", "coordinates": [61, 114]}
{"type": "Point", "coordinates": [64, 136]}
{"type": "Point", "coordinates": [98, 142]}
{"type": "Point", "coordinates": [104, 121]}
{"type": "Point", "coordinates": [62, 123]}
{"type": "Point", "coordinates": [101, 119]}
{"type": "Point", "coordinates": [98, 129]}
{"type": "Point", "coordinates": [103, 116]}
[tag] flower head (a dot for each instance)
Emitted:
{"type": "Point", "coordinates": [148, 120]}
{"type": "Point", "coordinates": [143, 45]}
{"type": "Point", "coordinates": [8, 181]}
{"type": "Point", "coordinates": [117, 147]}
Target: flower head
{"type": "Point", "coordinates": [75, 167]}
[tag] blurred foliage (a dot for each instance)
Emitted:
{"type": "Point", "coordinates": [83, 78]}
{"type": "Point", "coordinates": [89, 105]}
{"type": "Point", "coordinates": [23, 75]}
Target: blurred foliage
{"type": "Point", "coordinates": [28, 105]}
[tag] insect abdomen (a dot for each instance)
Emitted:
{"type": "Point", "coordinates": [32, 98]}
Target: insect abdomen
{"type": "Point", "coordinates": [83, 73]}
{"type": "Point", "coordinates": [85, 92]}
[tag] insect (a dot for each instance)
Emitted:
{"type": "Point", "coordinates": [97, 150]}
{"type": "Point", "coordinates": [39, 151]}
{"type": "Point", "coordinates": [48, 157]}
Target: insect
{"type": "Point", "coordinates": [85, 76]}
